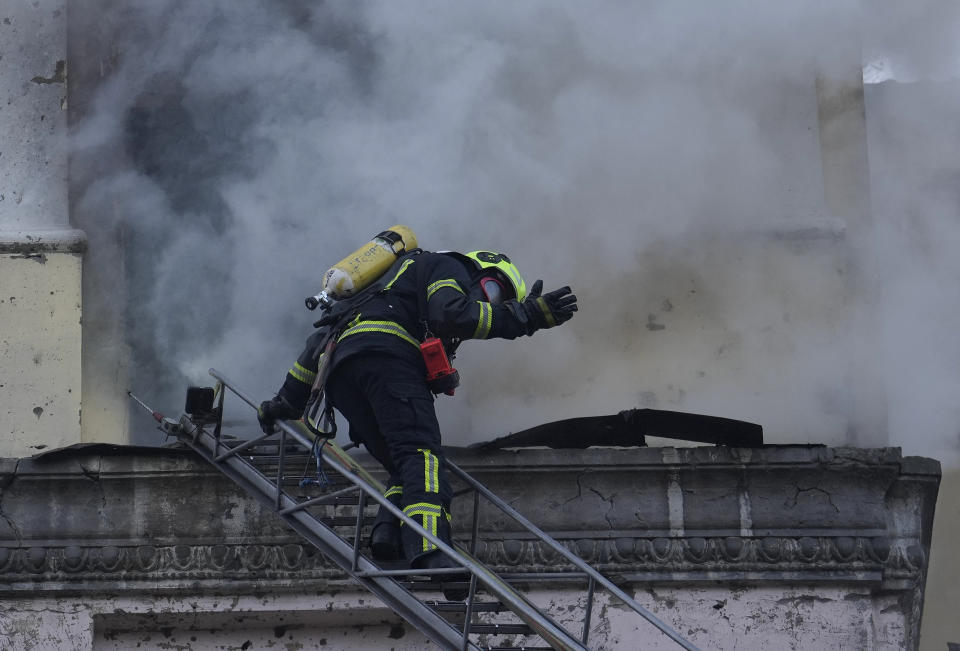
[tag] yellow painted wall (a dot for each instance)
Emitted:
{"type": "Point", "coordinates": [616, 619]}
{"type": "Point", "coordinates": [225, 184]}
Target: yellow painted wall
{"type": "Point", "coordinates": [40, 315]}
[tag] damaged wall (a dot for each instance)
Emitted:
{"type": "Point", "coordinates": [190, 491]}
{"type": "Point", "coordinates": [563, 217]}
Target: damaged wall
{"type": "Point", "coordinates": [39, 345]}
{"type": "Point", "coordinates": [792, 548]}
{"type": "Point", "coordinates": [40, 255]}
{"type": "Point", "coordinates": [33, 103]}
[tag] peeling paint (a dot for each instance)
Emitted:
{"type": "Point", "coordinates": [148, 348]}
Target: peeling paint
{"type": "Point", "coordinates": [59, 75]}
{"type": "Point", "coordinates": [804, 599]}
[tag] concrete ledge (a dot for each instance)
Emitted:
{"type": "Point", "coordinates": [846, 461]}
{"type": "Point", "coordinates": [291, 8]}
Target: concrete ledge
{"type": "Point", "coordinates": [779, 513]}
{"type": "Point", "coordinates": [24, 243]}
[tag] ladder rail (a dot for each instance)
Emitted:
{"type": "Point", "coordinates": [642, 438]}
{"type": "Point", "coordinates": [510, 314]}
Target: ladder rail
{"type": "Point", "coordinates": [552, 632]}
{"type": "Point", "coordinates": [330, 543]}
{"type": "Point", "coordinates": [570, 556]}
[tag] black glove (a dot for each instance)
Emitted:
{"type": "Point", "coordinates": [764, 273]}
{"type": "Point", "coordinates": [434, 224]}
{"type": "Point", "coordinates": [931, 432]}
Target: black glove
{"type": "Point", "coordinates": [277, 408]}
{"type": "Point", "coordinates": [548, 310]}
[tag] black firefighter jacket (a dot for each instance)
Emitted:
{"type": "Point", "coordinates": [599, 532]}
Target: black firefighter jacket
{"type": "Point", "coordinates": [390, 323]}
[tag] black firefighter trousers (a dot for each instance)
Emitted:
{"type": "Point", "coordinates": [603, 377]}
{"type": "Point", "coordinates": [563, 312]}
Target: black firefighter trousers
{"type": "Point", "coordinates": [390, 410]}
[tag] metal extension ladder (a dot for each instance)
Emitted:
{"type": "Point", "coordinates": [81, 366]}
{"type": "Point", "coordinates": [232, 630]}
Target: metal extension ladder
{"type": "Point", "coordinates": [265, 465]}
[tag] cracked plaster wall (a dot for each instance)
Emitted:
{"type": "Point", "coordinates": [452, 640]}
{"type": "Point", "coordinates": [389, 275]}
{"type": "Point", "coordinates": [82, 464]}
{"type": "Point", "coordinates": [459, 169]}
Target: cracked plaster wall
{"type": "Point", "coordinates": [40, 255]}
{"type": "Point", "coordinates": [33, 102]}
{"type": "Point", "coordinates": [802, 617]}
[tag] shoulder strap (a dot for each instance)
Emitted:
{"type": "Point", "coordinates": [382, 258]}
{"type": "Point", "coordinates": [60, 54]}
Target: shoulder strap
{"type": "Point", "coordinates": [422, 300]}
{"type": "Point", "coordinates": [343, 311]}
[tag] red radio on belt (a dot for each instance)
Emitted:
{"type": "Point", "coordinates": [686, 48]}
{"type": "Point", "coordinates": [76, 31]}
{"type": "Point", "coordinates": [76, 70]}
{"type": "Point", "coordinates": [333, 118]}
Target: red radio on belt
{"type": "Point", "coordinates": [441, 376]}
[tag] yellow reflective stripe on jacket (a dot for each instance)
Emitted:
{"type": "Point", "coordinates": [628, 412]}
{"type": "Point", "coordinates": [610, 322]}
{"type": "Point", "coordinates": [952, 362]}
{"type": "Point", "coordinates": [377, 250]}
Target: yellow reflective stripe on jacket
{"type": "Point", "coordinates": [305, 375]}
{"type": "Point", "coordinates": [420, 508]}
{"type": "Point", "coordinates": [393, 490]}
{"type": "Point", "coordinates": [440, 284]}
{"type": "Point", "coordinates": [423, 508]}
{"type": "Point", "coordinates": [431, 471]}
{"type": "Point", "coordinates": [430, 524]}
{"type": "Point", "coordinates": [403, 268]}
{"type": "Point", "coordinates": [388, 327]}
{"type": "Point", "coordinates": [485, 322]}
{"type": "Point", "coordinates": [429, 514]}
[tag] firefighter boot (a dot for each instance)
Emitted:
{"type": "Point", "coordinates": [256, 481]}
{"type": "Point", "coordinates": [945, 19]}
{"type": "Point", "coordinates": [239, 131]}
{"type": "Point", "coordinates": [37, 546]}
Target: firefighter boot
{"type": "Point", "coordinates": [385, 542]}
{"type": "Point", "coordinates": [455, 587]}
{"type": "Point", "coordinates": [424, 555]}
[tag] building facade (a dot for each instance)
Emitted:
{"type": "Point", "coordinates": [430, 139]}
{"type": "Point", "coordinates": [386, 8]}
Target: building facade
{"type": "Point", "coordinates": [110, 547]}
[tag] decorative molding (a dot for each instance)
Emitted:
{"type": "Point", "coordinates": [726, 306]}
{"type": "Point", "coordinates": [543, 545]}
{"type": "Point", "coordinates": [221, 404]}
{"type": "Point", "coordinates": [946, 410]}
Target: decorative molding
{"type": "Point", "coordinates": [902, 559]}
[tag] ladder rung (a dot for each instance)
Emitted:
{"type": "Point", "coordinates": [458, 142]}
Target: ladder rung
{"type": "Point", "coordinates": [501, 629]}
{"type": "Point", "coordinates": [294, 470]}
{"type": "Point", "coordinates": [234, 443]}
{"type": "Point", "coordinates": [294, 480]}
{"type": "Point", "coordinates": [542, 576]}
{"type": "Point", "coordinates": [461, 606]}
{"type": "Point", "coordinates": [271, 456]}
{"type": "Point", "coordinates": [346, 501]}
{"type": "Point", "coordinates": [344, 521]}
{"type": "Point", "coordinates": [321, 501]}
{"type": "Point", "coordinates": [440, 571]}
{"type": "Point", "coordinates": [427, 585]}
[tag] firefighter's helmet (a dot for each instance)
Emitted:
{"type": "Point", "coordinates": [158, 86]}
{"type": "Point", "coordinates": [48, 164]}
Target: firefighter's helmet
{"type": "Point", "coordinates": [499, 262]}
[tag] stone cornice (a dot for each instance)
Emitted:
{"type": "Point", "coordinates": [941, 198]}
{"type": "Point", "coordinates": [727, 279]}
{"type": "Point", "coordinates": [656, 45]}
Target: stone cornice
{"type": "Point", "coordinates": [114, 518]}
{"type": "Point", "coordinates": [20, 242]}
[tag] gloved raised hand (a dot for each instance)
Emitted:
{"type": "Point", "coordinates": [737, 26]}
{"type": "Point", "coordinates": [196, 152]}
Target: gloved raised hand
{"type": "Point", "coordinates": [277, 408]}
{"type": "Point", "coordinates": [549, 310]}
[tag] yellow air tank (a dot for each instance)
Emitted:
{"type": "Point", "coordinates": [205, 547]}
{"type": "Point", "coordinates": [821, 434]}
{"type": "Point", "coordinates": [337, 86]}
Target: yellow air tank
{"type": "Point", "coordinates": [363, 266]}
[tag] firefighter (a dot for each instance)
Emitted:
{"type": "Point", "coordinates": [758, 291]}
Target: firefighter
{"type": "Point", "coordinates": [378, 378]}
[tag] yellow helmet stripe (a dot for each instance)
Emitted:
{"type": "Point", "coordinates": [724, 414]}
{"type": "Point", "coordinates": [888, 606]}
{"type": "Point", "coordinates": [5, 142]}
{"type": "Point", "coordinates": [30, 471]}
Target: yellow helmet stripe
{"type": "Point", "coordinates": [500, 262]}
{"type": "Point", "coordinates": [514, 276]}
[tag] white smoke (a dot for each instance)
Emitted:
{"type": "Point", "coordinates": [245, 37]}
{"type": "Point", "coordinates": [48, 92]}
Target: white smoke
{"type": "Point", "coordinates": [662, 159]}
